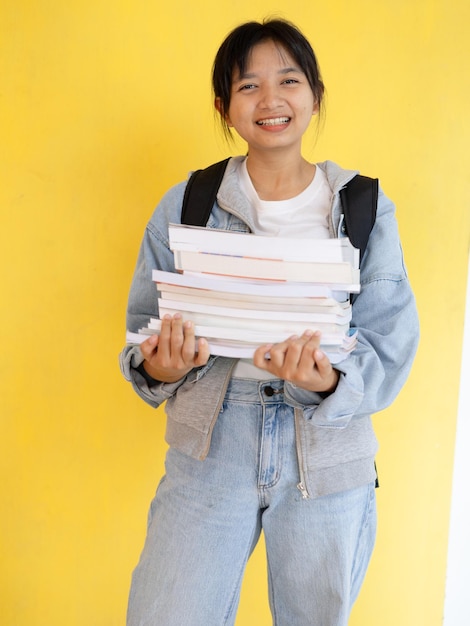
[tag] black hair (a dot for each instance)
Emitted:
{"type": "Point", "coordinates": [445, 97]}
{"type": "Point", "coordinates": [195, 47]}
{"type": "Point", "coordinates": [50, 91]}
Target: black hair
{"type": "Point", "coordinates": [235, 51]}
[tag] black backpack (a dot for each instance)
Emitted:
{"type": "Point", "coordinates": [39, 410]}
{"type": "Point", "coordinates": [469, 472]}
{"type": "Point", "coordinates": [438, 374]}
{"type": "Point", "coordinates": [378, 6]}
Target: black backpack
{"type": "Point", "coordinates": [358, 199]}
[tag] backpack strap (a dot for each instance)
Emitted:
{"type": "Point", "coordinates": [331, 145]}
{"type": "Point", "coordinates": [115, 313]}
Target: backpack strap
{"type": "Point", "coordinates": [359, 202]}
{"type": "Point", "coordinates": [199, 198]}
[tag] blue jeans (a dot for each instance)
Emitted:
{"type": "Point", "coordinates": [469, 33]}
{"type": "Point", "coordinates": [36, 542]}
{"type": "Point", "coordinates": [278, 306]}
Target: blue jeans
{"type": "Point", "coordinates": [207, 517]}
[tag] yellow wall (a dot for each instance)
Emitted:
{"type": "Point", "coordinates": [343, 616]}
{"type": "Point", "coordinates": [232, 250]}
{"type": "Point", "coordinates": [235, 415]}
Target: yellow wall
{"type": "Point", "coordinates": [103, 106]}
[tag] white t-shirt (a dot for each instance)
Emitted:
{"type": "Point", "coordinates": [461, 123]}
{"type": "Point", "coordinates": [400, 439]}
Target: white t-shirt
{"type": "Point", "coordinates": [305, 215]}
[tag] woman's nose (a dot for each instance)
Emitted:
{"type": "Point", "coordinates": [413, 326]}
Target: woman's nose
{"type": "Point", "coordinates": [270, 97]}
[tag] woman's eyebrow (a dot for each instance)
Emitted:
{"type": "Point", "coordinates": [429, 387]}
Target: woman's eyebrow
{"type": "Point", "coordinates": [284, 70]}
{"type": "Point", "coordinates": [289, 70]}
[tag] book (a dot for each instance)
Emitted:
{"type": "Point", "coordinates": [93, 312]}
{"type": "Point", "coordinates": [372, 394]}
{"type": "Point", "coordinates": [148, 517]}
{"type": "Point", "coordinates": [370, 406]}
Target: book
{"type": "Point", "coordinates": [230, 253]}
{"type": "Point", "coordinates": [201, 239]}
{"type": "Point", "coordinates": [265, 269]}
{"type": "Point", "coordinates": [286, 327]}
{"type": "Point", "coordinates": [282, 313]}
{"type": "Point", "coordinates": [259, 335]}
{"type": "Point", "coordinates": [247, 287]}
{"type": "Point", "coordinates": [241, 290]}
{"type": "Point", "coordinates": [242, 301]}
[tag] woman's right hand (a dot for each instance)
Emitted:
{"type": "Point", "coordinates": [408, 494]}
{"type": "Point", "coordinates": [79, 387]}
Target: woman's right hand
{"type": "Point", "coordinates": [175, 352]}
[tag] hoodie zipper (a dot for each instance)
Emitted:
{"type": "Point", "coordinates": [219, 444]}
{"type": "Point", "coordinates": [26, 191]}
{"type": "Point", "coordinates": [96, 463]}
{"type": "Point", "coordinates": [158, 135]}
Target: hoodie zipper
{"type": "Point", "coordinates": [301, 485]}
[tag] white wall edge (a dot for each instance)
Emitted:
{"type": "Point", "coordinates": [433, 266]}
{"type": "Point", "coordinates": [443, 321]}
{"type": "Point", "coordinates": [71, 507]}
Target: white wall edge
{"type": "Point", "coordinates": [457, 606]}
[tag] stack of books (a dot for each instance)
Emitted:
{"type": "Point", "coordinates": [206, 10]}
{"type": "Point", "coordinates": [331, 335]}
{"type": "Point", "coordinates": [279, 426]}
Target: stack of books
{"type": "Point", "coordinates": [243, 290]}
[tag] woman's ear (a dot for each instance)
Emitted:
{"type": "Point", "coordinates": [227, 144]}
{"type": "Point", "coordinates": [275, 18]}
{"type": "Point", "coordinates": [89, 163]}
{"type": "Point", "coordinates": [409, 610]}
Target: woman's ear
{"type": "Point", "coordinates": [316, 108]}
{"type": "Point", "coordinates": [219, 107]}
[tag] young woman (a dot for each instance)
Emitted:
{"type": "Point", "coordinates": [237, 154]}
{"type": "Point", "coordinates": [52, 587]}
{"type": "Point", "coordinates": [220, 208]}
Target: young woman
{"type": "Point", "coordinates": [282, 445]}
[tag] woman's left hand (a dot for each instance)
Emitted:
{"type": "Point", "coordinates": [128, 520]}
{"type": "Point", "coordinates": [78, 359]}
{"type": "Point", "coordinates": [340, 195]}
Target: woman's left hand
{"type": "Point", "coordinates": [299, 360]}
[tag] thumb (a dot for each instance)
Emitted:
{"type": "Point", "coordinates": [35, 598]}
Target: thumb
{"type": "Point", "coordinates": [149, 346]}
{"type": "Point", "coordinates": [322, 362]}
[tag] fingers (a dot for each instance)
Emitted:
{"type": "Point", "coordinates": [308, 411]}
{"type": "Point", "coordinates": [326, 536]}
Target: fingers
{"type": "Point", "coordinates": [299, 360]}
{"type": "Point", "coordinates": [176, 344]}
{"type": "Point", "coordinates": [175, 351]}
{"type": "Point", "coordinates": [296, 352]}
{"type": "Point", "coordinates": [287, 356]}
{"type": "Point", "coordinates": [171, 338]}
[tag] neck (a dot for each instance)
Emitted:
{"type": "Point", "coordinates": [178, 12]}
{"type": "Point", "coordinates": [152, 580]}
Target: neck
{"type": "Point", "coordinates": [279, 178]}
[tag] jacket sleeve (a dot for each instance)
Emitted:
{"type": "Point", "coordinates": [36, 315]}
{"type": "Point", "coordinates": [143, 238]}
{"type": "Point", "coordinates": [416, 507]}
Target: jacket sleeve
{"type": "Point", "coordinates": [154, 253]}
{"type": "Point", "coordinates": [385, 317]}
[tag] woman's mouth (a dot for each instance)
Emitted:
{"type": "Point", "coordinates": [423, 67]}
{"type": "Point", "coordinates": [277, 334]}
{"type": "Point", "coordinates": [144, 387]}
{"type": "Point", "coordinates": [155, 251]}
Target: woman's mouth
{"type": "Point", "coordinates": [273, 121]}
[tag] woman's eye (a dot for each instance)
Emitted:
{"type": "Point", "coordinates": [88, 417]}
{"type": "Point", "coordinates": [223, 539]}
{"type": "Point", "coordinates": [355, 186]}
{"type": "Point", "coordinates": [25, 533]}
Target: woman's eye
{"type": "Point", "coordinates": [290, 81]}
{"type": "Point", "coordinates": [247, 87]}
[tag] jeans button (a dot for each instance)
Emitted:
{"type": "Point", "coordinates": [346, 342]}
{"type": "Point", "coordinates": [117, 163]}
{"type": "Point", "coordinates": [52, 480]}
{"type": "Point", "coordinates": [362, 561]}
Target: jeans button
{"type": "Point", "coordinates": [269, 391]}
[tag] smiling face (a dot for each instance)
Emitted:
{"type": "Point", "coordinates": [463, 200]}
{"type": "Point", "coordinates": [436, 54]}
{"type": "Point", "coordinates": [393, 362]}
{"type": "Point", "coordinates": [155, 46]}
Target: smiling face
{"type": "Point", "coordinates": [271, 103]}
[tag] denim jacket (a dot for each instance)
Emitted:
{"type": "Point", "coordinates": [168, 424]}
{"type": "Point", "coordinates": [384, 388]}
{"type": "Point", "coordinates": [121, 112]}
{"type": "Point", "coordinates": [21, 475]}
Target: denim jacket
{"type": "Point", "coordinates": [335, 438]}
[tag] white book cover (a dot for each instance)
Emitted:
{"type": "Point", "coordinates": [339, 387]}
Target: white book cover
{"type": "Point", "coordinates": [253, 287]}
{"type": "Point", "coordinates": [244, 301]}
{"type": "Point", "coordinates": [336, 290]}
{"type": "Point", "coordinates": [286, 327]}
{"type": "Point", "coordinates": [329, 274]}
{"type": "Point", "coordinates": [280, 314]}
{"type": "Point", "coordinates": [201, 239]}
{"type": "Point", "coordinates": [259, 335]}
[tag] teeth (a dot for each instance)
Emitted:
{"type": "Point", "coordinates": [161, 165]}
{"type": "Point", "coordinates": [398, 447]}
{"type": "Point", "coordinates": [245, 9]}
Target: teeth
{"type": "Point", "coordinates": [274, 121]}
